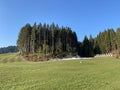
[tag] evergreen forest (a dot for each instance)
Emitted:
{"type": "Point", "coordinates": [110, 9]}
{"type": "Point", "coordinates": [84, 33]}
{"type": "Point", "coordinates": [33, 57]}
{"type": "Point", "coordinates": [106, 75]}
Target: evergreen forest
{"type": "Point", "coordinates": [50, 40]}
{"type": "Point", "coordinates": [8, 49]}
{"type": "Point", "coordinates": [54, 41]}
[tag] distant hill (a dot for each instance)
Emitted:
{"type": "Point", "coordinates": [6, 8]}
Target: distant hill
{"type": "Point", "coordinates": [8, 49]}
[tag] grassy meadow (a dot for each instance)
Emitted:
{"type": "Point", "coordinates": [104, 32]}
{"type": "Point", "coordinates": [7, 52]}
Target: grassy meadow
{"type": "Point", "coordinates": [91, 74]}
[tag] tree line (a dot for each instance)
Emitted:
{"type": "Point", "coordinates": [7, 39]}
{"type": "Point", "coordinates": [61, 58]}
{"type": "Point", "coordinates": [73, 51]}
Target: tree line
{"type": "Point", "coordinates": [62, 41]}
{"type": "Point", "coordinates": [107, 41]}
{"type": "Point", "coordinates": [47, 39]}
{"type": "Point", "coordinates": [8, 49]}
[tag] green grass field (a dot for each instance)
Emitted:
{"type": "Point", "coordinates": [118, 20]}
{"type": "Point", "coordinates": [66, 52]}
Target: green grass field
{"type": "Point", "coordinates": [93, 74]}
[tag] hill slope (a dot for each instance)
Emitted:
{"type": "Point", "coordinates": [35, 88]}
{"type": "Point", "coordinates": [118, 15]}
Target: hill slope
{"type": "Point", "coordinates": [10, 57]}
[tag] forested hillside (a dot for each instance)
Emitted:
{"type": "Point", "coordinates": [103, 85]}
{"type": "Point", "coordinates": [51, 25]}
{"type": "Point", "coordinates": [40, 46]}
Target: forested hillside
{"type": "Point", "coordinates": [8, 49]}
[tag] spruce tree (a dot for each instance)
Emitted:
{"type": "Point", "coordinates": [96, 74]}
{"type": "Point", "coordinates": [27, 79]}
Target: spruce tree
{"type": "Point", "coordinates": [33, 38]}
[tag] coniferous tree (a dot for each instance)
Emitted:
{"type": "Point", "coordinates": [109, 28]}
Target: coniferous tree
{"type": "Point", "coordinates": [47, 39]}
{"type": "Point", "coordinates": [33, 38]}
{"type": "Point", "coordinates": [91, 46]}
{"type": "Point", "coordinates": [85, 47]}
{"type": "Point", "coordinates": [39, 38]}
{"type": "Point", "coordinates": [24, 40]}
{"type": "Point", "coordinates": [52, 36]}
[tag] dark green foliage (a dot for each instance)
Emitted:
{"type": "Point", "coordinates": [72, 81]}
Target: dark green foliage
{"type": "Point", "coordinates": [8, 49]}
{"type": "Point", "coordinates": [86, 47]}
{"type": "Point", "coordinates": [47, 39]}
{"type": "Point", "coordinates": [55, 41]}
{"type": "Point", "coordinates": [105, 42]}
{"type": "Point", "coordinates": [96, 48]}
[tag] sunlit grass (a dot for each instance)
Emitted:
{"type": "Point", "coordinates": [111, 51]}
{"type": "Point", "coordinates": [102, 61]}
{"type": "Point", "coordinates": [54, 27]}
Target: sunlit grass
{"type": "Point", "coordinates": [10, 57]}
{"type": "Point", "coordinates": [92, 74]}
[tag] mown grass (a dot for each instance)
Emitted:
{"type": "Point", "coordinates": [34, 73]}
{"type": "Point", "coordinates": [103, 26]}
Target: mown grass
{"type": "Point", "coordinates": [93, 74]}
{"type": "Point", "coordinates": [10, 58]}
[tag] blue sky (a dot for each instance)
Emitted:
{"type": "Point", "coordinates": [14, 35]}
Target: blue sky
{"type": "Point", "coordinates": [85, 17]}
